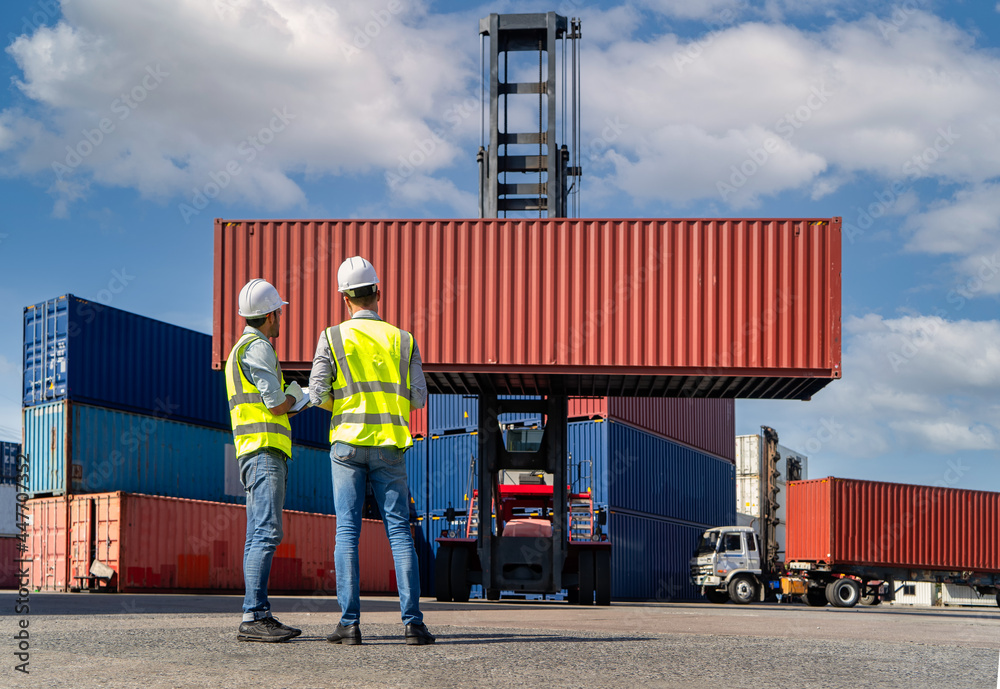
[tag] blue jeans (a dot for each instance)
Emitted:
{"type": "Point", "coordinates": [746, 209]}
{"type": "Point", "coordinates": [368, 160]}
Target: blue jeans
{"type": "Point", "coordinates": [264, 476]}
{"type": "Point", "coordinates": [384, 467]}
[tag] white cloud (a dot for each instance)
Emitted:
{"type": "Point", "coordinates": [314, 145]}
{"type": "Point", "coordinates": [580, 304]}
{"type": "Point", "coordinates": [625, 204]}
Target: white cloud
{"type": "Point", "coordinates": [916, 384]}
{"type": "Point", "coordinates": [358, 85]}
{"type": "Point", "coordinates": [902, 102]}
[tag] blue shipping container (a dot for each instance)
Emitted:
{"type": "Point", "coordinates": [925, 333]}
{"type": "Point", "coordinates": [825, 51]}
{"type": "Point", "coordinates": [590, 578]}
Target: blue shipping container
{"type": "Point", "coordinates": [620, 465]}
{"type": "Point", "coordinates": [416, 474]}
{"type": "Point", "coordinates": [86, 352]}
{"type": "Point", "coordinates": [112, 450]}
{"type": "Point", "coordinates": [649, 558]}
{"type": "Point", "coordinates": [9, 453]}
{"type": "Point", "coordinates": [451, 413]}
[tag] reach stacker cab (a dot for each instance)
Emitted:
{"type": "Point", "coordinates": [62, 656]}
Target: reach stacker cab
{"type": "Point", "coordinates": [531, 537]}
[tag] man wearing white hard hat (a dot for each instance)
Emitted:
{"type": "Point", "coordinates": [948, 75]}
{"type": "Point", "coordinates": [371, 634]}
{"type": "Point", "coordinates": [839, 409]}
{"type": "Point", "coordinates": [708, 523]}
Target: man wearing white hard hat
{"type": "Point", "coordinates": [368, 374]}
{"type": "Point", "coordinates": [259, 402]}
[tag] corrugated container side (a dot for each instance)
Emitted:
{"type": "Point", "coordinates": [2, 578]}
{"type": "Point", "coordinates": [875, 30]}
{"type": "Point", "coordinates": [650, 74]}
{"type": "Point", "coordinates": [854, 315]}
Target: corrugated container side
{"type": "Point", "coordinates": [418, 422]}
{"type": "Point", "coordinates": [48, 543]}
{"type": "Point", "coordinates": [954, 594]}
{"type": "Point", "coordinates": [752, 306]}
{"type": "Point", "coordinates": [9, 454]}
{"type": "Point", "coordinates": [9, 567]}
{"type": "Point", "coordinates": [849, 521]}
{"type": "Point", "coordinates": [651, 475]}
{"type": "Point", "coordinates": [416, 474]}
{"type": "Point", "coordinates": [116, 450]}
{"type": "Point", "coordinates": [8, 510]}
{"type": "Point", "coordinates": [649, 558]}
{"type": "Point", "coordinates": [448, 474]}
{"type": "Point", "coordinates": [163, 543]}
{"type": "Point", "coordinates": [704, 424]}
{"type": "Point", "coordinates": [99, 355]}
{"type": "Point", "coordinates": [587, 443]}
{"type": "Point", "coordinates": [450, 413]}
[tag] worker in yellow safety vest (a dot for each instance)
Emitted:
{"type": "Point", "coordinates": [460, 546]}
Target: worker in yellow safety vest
{"type": "Point", "coordinates": [368, 374]}
{"type": "Point", "coordinates": [259, 405]}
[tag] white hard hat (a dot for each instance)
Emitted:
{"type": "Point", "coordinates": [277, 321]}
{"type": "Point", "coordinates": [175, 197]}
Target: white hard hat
{"type": "Point", "coordinates": [259, 298]}
{"type": "Point", "coordinates": [357, 277]}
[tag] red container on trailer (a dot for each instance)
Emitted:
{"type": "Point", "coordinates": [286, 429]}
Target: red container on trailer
{"type": "Point", "coordinates": [852, 522]}
{"type": "Point", "coordinates": [9, 565]}
{"type": "Point", "coordinates": [738, 308]}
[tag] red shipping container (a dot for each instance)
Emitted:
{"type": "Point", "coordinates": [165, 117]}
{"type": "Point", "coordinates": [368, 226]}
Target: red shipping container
{"type": "Point", "coordinates": [704, 424]}
{"type": "Point", "coordinates": [156, 543]}
{"type": "Point", "coordinates": [418, 422]}
{"type": "Point", "coordinates": [738, 308]}
{"type": "Point", "coordinates": [9, 565]}
{"type": "Point", "coordinates": [48, 543]}
{"type": "Point", "coordinates": [852, 522]}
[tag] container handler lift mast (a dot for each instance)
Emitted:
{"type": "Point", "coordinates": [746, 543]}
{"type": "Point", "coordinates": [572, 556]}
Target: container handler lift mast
{"type": "Point", "coordinates": [526, 173]}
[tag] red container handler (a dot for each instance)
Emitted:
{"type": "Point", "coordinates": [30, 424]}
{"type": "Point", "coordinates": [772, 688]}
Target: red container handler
{"type": "Point", "coordinates": [737, 308]}
{"type": "Point", "coordinates": [851, 522]}
{"type": "Point", "coordinates": [162, 544]}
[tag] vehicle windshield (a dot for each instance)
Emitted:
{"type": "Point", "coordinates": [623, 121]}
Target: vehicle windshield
{"type": "Point", "coordinates": [709, 542]}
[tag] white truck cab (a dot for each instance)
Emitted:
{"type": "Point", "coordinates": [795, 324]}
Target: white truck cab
{"type": "Point", "coordinates": [727, 565]}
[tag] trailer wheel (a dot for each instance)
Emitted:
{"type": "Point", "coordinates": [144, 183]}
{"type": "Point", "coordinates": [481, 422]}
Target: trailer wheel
{"type": "Point", "coordinates": [716, 596]}
{"type": "Point", "coordinates": [602, 577]}
{"type": "Point", "coordinates": [843, 593]}
{"type": "Point", "coordinates": [998, 599]}
{"type": "Point", "coordinates": [586, 566]}
{"type": "Point", "coordinates": [459, 569]}
{"type": "Point", "coordinates": [573, 595]}
{"type": "Point", "coordinates": [492, 594]}
{"type": "Point", "coordinates": [870, 599]}
{"type": "Point", "coordinates": [442, 574]}
{"type": "Point", "coordinates": [742, 589]}
{"type": "Point", "coordinates": [815, 598]}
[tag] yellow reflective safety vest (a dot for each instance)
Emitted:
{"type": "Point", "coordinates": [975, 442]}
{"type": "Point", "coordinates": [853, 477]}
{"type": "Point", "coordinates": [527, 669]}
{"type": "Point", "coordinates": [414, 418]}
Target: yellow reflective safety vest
{"type": "Point", "coordinates": [254, 426]}
{"type": "Point", "coordinates": [371, 389]}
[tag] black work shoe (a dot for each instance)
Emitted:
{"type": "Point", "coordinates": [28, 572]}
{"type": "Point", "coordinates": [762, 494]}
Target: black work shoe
{"type": "Point", "coordinates": [417, 635]}
{"type": "Point", "coordinates": [348, 636]}
{"type": "Point", "coordinates": [285, 628]}
{"type": "Point", "coordinates": [266, 629]}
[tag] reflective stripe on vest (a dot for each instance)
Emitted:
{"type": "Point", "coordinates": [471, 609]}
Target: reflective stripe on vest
{"type": "Point", "coordinates": [371, 389]}
{"type": "Point", "coordinates": [254, 426]}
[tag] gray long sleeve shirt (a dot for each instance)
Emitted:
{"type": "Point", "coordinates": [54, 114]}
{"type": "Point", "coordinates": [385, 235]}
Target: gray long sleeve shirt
{"type": "Point", "coordinates": [260, 366]}
{"type": "Point", "coordinates": [324, 372]}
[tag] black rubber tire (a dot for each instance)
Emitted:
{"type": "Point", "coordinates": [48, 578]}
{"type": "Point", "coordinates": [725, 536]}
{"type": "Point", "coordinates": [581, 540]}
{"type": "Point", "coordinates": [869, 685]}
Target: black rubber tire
{"type": "Point", "coordinates": [998, 599]}
{"type": "Point", "coordinates": [843, 593]}
{"type": "Point", "coordinates": [602, 577]}
{"type": "Point", "coordinates": [442, 574]}
{"type": "Point", "coordinates": [492, 594]}
{"type": "Point", "coordinates": [460, 586]}
{"type": "Point", "coordinates": [716, 596]}
{"type": "Point", "coordinates": [815, 598]}
{"type": "Point", "coordinates": [870, 599]}
{"type": "Point", "coordinates": [742, 589]}
{"type": "Point", "coordinates": [586, 567]}
{"type": "Point", "coordinates": [573, 595]}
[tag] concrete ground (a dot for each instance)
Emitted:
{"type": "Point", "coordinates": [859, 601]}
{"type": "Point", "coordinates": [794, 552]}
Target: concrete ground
{"type": "Point", "coordinates": [124, 640]}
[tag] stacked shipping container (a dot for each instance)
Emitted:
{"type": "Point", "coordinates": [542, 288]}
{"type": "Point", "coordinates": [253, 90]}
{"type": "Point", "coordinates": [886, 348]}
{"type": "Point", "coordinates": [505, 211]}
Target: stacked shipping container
{"type": "Point", "coordinates": [158, 543]}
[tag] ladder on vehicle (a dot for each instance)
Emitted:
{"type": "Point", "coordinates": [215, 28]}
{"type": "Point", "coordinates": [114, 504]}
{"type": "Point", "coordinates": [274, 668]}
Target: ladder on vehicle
{"type": "Point", "coordinates": [581, 517]}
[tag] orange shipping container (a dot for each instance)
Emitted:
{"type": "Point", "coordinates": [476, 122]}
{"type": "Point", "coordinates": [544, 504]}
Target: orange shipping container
{"type": "Point", "coordinates": [156, 543]}
{"type": "Point", "coordinates": [738, 308]}
{"type": "Point", "coordinates": [853, 522]}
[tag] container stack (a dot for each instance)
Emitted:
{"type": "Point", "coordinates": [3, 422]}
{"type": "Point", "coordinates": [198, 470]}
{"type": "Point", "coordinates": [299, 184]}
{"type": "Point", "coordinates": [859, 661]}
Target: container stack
{"type": "Point", "coordinates": [120, 404]}
{"type": "Point", "coordinates": [662, 470]}
{"type": "Point", "coordinates": [9, 453]}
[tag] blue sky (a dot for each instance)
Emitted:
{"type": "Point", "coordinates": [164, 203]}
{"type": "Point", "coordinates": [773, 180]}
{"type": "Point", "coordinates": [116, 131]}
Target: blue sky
{"type": "Point", "coordinates": [116, 116]}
